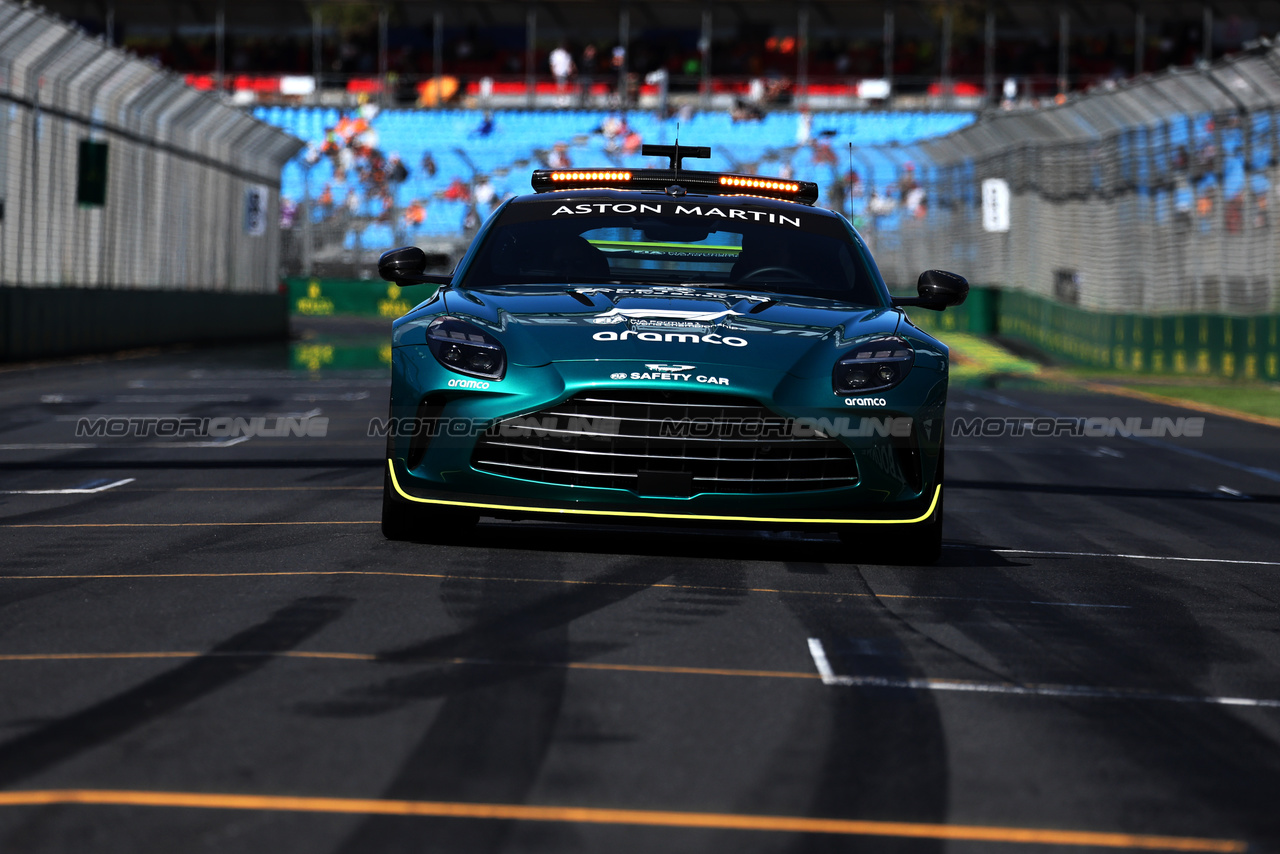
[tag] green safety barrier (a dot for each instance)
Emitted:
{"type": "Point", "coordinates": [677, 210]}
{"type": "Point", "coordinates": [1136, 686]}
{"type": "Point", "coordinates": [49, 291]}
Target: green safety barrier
{"type": "Point", "coordinates": [340, 355]}
{"type": "Point", "coordinates": [1189, 344]}
{"type": "Point", "coordinates": [315, 297]}
{"type": "Point", "coordinates": [976, 315]}
{"type": "Point", "coordinates": [1192, 344]}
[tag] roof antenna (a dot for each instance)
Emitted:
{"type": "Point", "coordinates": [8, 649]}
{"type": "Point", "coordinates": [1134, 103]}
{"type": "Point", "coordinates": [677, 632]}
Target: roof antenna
{"type": "Point", "coordinates": [676, 157]}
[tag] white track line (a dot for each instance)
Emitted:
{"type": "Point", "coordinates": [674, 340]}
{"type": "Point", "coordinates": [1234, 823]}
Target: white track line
{"type": "Point", "coordinates": [820, 661]}
{"type": "Point", "coordinates": [102, 488]}
{"type": "Point", "coordinates": [1133, 557]}
{"type": "Point", "coordinates": [829, 677]}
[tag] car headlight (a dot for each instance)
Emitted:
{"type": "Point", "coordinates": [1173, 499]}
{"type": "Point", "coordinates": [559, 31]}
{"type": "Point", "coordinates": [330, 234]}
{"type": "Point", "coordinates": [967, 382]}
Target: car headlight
{"type": "Point", "coordinates": [466, 348]}
{"type": "Point", "coordinates": [873, 366]}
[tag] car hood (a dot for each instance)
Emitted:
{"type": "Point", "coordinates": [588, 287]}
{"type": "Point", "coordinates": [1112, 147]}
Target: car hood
{"type": "Point", "coordinates": [538, 326]}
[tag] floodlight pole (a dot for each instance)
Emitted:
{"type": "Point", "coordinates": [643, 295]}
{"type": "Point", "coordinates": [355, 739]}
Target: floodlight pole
{"type": "Point", "coordinates": [888, 47]}
{"type": "Point", "coordinates": [530, 53]}
{"type": "Point", "coordinates": [624, 39]}
{"type": "Point", "coordinates": [1207, 50]}
{"type": "Point", "coordinates": [802, 55]}
{"type": "Point", "coordinates": [1064, 34]}
{"type": "Point", "coordinates": [317, 46]}
{"type": "Point", "coordinates": [946, 55]}
{"type": "Point", "coordinates": [704, 47]}
{"type": "Point", "coordinates": [109, 23]}
{"type": "Point", "coordinates": [1139, 41]}
{"type": "Point", "coordinates": [437, 53]}
{"type": "Point", "coordinates": [989, 60]}
{"type": "Point", "coordinates": [383, 64]}
{"type": "Point", "coordinates": [220, 45]}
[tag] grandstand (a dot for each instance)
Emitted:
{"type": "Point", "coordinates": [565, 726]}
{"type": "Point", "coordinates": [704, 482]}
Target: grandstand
{"type": "Point", "coordinates": [522, 140]}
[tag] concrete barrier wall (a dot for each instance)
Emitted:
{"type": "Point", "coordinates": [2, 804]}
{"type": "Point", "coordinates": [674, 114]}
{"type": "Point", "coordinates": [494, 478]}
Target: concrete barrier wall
{"type": "Point", "coordinates": [37, 323]}
{"type": "Point", "coordinates": [146, 203]}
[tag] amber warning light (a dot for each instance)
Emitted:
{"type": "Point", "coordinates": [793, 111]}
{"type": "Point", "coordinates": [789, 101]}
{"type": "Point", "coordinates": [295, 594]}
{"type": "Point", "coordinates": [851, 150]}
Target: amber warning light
{"type": "Point", "coordinates": [759, 184]}
{"type": "Point", "coordinates": [674, 182]}
{"type": "Point", "coordinates": [590, 176]}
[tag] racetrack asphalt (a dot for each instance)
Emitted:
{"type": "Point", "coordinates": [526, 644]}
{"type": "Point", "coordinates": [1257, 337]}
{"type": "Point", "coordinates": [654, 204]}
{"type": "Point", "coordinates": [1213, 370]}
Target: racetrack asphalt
{"type": "Point", "coordinates": [210, 646]}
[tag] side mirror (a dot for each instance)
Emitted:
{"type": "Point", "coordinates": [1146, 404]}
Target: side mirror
{"type": "Point", "coordinates": [407, 266]}
{"type": "Point", "coordinates": [937, 290]}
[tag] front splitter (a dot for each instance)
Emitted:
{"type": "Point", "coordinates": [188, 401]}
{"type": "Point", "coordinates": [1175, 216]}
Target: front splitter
{"type": "Point", "coordinates": [648, 514]}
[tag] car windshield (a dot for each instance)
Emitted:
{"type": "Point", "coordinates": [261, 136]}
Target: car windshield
{"type": "Point", "coordinates": [795, 253]}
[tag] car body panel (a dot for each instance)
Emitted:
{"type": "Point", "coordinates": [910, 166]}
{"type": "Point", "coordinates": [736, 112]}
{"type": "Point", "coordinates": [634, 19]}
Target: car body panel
{"type": "Point", "coordinates": [566, 341]}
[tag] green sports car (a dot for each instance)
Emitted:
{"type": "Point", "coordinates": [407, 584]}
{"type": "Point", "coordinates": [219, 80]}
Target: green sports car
{"type": "Point", "coordinates": [667, 346]}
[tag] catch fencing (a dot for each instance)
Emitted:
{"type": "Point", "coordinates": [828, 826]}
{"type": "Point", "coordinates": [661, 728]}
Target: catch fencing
{"type": "Point", "coordinates": [116, 175]}
{"type": "Point", "coordinates": [1154, 196]}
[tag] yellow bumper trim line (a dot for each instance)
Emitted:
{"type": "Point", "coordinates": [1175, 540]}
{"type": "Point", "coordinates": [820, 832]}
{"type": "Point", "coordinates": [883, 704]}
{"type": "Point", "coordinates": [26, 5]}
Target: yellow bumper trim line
{"type": "Point", "coordinates": [395, 483]}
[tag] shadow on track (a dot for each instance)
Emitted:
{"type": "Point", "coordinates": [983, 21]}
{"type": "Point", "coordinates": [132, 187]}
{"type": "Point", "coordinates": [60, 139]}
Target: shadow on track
{"type": "Point", "coordinates": [807, 553]}
{"type": "Point", "coordinates": [491, 735]}
{"type": "Point", "coordinates": [162, 695]}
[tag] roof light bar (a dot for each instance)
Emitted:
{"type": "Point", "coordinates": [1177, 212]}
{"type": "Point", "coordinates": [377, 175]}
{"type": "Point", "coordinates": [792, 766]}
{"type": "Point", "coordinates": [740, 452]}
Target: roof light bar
{"type": "Point", "coordinates": [560, 177]}
{"type": "Point", "coordinates": [759, 184]}
{"type": "Point", "coordinates": [662, 180]}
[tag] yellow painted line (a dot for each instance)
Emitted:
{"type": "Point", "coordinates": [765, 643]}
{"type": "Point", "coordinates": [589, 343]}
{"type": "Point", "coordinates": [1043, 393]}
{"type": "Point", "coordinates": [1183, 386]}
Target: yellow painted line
{"type": "Point", "coordinates": [1181, 402]}
{"type": "Point", "coordinates": [179, 524]}
{"type": "Point", "coordinates": [632, 817]}
{"type": "Point", "coordinates": [627, 514]}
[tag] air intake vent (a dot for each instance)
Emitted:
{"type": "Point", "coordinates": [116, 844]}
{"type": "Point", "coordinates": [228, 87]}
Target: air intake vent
{"type": "Point", "coordinates": [666, 444]}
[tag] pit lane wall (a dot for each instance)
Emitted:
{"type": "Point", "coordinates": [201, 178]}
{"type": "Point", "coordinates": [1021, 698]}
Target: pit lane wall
{"type": "Point", "coordinates": [134, 210]}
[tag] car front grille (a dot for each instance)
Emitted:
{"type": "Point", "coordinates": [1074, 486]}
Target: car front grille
{"type": "Point", "coordinates": [673, 443]}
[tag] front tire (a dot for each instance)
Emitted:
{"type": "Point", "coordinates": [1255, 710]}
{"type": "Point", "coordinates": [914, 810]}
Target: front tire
{"type": "Point", "coordinates": [398, 518]}
{"type": "Point", "coordinates": [901, 545]}
{"type": "Point", "coordinates": [406, 522]}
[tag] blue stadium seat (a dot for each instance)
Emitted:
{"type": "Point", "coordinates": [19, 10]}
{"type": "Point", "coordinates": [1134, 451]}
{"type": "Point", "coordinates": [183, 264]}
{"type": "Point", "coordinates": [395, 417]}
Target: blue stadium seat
{"type": "Point", "coordinates": [519, 132]}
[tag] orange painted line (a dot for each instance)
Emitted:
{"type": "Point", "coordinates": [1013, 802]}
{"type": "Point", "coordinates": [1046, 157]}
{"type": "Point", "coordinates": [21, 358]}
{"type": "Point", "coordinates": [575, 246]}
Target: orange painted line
{"type": "Point", "coordinates": [592, 815]}
{"type": "Point", "coordinates": [511, 580]}
{"type": "Point", "coordinates": [254, 488]}
{"type": "Point", "coordinates": [125, 656]}
{"type": "Point", "coordinates": [449, 576]}
{"type": "Point", "coordinates": [94, 656]}
{"type": "Point", "coordinates": [361, 656]}
{"type": "Point", "coordinates": [656, 668]}
{"type": "Point", "coordinates": [178, 524]}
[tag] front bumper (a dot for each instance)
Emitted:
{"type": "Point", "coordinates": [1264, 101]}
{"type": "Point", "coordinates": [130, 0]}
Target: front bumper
{"type": "Point", "coordinates": [442, 474]}
{"type": "Point", "coordinates": [408, 488]}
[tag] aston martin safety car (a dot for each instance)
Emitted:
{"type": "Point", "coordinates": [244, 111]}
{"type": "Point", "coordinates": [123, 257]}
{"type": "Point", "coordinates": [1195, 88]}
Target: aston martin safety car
{"type": "Point", "coordinates": [669, 346]}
